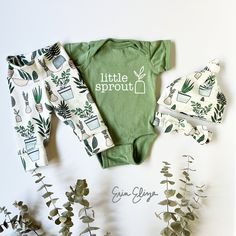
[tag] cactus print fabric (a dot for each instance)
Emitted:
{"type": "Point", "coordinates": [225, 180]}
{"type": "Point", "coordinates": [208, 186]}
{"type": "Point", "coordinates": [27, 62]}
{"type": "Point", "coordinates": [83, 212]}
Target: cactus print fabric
{"type": "Point", "coordinates": [122, 76]}
{"type": "Point", "coordinates": [47, 81]}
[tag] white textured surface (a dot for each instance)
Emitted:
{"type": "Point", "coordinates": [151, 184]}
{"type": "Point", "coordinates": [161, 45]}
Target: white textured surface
{"type": "Point", "coordinates": [201, 30]}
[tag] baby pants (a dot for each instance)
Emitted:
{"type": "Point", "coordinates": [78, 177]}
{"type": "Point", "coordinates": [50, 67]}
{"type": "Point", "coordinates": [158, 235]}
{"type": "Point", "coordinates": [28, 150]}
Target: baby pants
{"type": "Point", "coordinates": [47, 81]}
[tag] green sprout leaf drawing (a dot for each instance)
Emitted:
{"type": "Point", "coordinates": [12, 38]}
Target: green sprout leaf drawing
{"type": "Point", "coordinates": [187, 86]}
{"type": "Point", "coordinates": [63, 110]}
{"type": "Point", "coordinates": [80, 84]}
{"type": "Point", "coordinates": [91, 149]}
{"type": "Point", "coordinates": [26, 132]}
{"type": "Point", "coordinates": [37, 93]}
{"type": "Point", "coordinates": [87, 112]}
{"type": "Point", "coordinates": [44, 126]}
{"type": "Point", "coordinates": [219, 109]}
{"type": "Point", "coordinates": [63, 80]}
{"type": "Point", "coordinates": [200, 110]}
{"type": "Point", "coordinates": [52, 52]}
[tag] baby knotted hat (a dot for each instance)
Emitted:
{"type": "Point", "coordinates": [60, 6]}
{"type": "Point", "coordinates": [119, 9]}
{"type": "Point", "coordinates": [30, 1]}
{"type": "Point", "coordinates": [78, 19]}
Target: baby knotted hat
{"type": "Point", "coordinates": [197, 94]}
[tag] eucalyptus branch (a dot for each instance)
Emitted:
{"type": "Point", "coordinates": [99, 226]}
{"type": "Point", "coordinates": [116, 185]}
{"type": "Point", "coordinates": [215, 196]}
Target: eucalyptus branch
{"type": "Point", "coordinates": [185, 203]}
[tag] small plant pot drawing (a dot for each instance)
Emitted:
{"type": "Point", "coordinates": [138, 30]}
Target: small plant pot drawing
{"type": "Point", "coordinates": [182, 97]}
{"type": "Point", "coordinates": [39, 107]}
{"type": "Point", "coordinates": [168, 101]}
{"type": "Point", "coordinates": [20, 82]}
{"type": "Point", "coordinates": [206, 92]}
{"type": "Point", "coordinates": [30, 144]}
{"type": "Point", "coordinates": [139, 87]}
{"type": "Point", "coordinates": [34, 155]}
{"type": "Point", "coordinates": [18, 118]}
{"type": "Point", "coordinates": [58, 61]}
{"type": "Point", "coordinates": [66, 93]}
{"type": "Point", "coordinates": [92, 122]}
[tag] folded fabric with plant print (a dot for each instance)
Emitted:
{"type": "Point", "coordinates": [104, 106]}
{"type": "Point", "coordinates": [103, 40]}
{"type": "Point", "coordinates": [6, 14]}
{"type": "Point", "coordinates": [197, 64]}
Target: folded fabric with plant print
{"type": "Point", "coordinates": [170, 124]}
{"type": "Point", "coordinates": [47, 81]}
{"type": "Point", "coordinates": [197, 95]}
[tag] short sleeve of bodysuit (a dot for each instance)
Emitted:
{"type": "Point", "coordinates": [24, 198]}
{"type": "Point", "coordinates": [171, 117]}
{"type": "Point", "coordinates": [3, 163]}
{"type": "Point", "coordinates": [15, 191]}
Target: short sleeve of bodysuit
{"type": "Point", "coordinates": [121, 75]}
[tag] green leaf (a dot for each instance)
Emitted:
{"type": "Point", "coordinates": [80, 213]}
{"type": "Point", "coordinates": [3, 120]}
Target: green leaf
{"type": "Point", "coordinates": [62, 219]}
{"type": "Point", "coordinates": [94, 142]}
{"type": "Point", "coordinates": [34, 75]}
{"type": "Point", "coordinates": [168, 202]}
{"type": "Point", "coordinates": [167, 216]}
{"type": "Point", "coordinates": [39, 180]}
{"type": "Point", "coordinates": [47, 194]}
{"type": "Point", "coordinates": [176, 226]}
{"type": "Point", "coordinates": [167, 181]}
{"type": "Point", "coordinates": [169, 128]}
{"type": "Point", "coordinates": [89, 229]}
{"type": "Point", "coordinates": [86, 219]}
{"type": "Point", "coordinates": [169, 193]}
{"type": "Point", "coordinates": [168, 175]}
{"type": "Point", "coordinates": [201, 138]}
{"type": "Point", "coordinates": [186, 232]}
{"type": "Point", "coordinates": [163, 203]}
{"type": "Point", "coordinates": [179, 196]}
{"type": "Point", "coordinates": [57, 221]}
{"type": "Point", "coordinates": [190, 216]}
{"type": "Point", "coordinates": [5, 224]}
{"type": "Point", "coordinates": [172, 203]}
{"type": "Point", "coordinates": [53, 212]}
{"type": "Point", "coordinates": [179, 212]}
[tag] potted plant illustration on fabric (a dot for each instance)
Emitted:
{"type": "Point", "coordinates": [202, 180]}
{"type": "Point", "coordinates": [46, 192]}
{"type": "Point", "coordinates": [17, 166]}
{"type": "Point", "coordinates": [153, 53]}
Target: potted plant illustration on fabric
{"type": "Point", "coordinates": [25, 77]}
{"type": "Point", "coordinates": [30, 140]}
{"type": "Point", "coordinates": [65, 90]}
{"type": "Point", "coordinates": [17, 116]}
{"type": "Point", "coordinates": [206, 88]}
{"type": "Point", "coordinates": [199, 110]}
{"type": "Point", "coordinates": [168, 99]}
{"type": "Point", "coordinates": [186, 87]}
{"type": "Point", "coordinates": [37, 93]}
{"type": "Point", "coordinates": [139, 84]}
{"type": "Point", "coordinates": [53, 54]}
{"type": "Point", "coordinates": [91, 120]}
{"type": "Point", "coordinates": [27, 106]}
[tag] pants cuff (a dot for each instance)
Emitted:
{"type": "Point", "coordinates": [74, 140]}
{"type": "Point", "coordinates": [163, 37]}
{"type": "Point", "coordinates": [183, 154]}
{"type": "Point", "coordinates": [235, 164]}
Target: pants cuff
{"type": "Point", "coordinates": [98, 143]}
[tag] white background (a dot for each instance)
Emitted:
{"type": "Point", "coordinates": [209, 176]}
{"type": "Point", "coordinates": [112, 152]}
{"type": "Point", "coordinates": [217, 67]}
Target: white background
{"type": "Point", "coordinates": [201, 30]}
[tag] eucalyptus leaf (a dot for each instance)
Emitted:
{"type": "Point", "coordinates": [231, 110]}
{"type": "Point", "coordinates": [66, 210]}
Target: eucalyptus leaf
{"type": "Point", "coordinates": [169, 193]}
{"type": "Point", "coordinates": [53, 212]}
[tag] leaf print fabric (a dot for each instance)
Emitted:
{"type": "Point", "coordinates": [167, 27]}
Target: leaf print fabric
{"type": "Point", "coordinates": [47, 81]}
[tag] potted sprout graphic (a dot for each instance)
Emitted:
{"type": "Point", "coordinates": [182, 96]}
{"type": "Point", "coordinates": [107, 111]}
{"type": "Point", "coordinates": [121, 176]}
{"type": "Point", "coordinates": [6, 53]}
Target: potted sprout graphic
{"type": "Point", "coordinates": [53, 54]}
{"type": "Point", "coordinates": [186, 87]}
{"type": "Point", "coordinates": [87, 113]}
{"type": "Point", "coordinates": [53, 97]}
{"type": "Point", "coordinates": [26, 98]}
{"type": "Point", "coordinates": [37, 93]}
{"type": "Point", "coordinates": [139, 84]}
{"type": "Point", "coordinates": [65, 90]}
{"type": "Point", "coordinates": [168, 99]}
{"type": "Point", "coordinates": [17, 116]}
{"type": "Point", "coordinates": [206, 88]}
{"type": "Point", "coordinates": [30, 140]}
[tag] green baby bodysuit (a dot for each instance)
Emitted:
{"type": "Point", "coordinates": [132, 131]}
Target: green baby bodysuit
{"type": "Point", "coordinates": [121, 75]}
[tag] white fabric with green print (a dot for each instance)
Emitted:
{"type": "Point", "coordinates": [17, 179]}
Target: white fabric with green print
{"type": "Point", "coordinates": [197, 94]}
{"type": "Point", "coordinates": [170, 124]}
{"type": "Point", "coordinates": [47, 81]}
